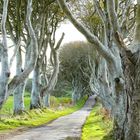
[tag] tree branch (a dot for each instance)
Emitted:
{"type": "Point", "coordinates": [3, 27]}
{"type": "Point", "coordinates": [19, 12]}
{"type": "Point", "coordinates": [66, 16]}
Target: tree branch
{"type": "Point", "coordinates": [90, 37]}
{"type": "Point", "coordinates": [113, 15]}
{"type": "Point", "coordinates": [53, 80]}
{"type": "Point", "coordinates": [102, 15]}
{"type": "Point", "coordinates": [15, 52]}
{"type": "Point", "coordinates": [115, 25]}
{"type": "Point", "coordinates": [33, 56]}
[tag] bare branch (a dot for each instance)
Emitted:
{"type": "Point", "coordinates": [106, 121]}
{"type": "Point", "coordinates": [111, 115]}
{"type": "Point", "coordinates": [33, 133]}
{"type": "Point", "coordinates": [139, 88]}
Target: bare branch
{"type": "Point", "coordinates": [15, 52]}
{"type": "Point", "coordinates": [53, 80]}
{"type": "Point", "coordinates": [59, 42]}
{"type": "Point", "coordinates": [102, 15]}
{"type": "Point", "coordinates": [113, 15]}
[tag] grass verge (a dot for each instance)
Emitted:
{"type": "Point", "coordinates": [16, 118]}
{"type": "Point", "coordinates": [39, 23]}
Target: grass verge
{"type": "Point", "coordinates": [38, 116]}
{"type": "Point", "coordinates": [97, 127]}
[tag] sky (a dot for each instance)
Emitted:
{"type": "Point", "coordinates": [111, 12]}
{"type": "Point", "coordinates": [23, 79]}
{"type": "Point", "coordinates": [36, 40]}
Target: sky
{"type": "Point", "coordinates": [71, 33]}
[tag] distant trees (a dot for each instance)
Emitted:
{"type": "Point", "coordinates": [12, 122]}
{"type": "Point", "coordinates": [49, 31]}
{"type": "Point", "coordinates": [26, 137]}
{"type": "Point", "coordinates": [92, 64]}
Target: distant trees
{"type": "Point", "coordinates": [118, 70]}
{"type": "Point", "coordinates": [74, 67]}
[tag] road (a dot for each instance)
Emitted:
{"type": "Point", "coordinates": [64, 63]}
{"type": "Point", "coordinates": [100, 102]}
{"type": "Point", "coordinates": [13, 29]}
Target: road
{"type": "Point", "coordinates": [64, 128]}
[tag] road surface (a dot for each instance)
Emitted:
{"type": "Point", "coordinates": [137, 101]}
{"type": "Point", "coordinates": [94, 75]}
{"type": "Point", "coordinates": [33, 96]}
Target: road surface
{"type": "Point", "coordinates": [64, 128]}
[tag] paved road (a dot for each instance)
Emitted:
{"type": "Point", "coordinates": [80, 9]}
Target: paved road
{"type": "Point", "coordinates": [64, 128]}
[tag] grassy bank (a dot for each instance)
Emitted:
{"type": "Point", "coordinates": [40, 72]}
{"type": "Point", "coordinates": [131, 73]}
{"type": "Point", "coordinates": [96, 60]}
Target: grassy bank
{"type": "Point", "coordinates": [97, 126]}
{"type": "Point", "coordinates": [60, 107]}
{"type": "Point", "coordinates": [8, 106]}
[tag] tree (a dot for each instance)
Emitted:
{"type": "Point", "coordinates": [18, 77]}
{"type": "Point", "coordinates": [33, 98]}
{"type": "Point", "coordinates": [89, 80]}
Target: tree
{"type": "Point", "coordinates": [29, 30]}
{"type": "Point", "coordinates": [46, 38]}
{"type": "Point", "coordinates": [4, 57]}
{"type": "Point", "coordinates": [8, 87]}
{"type": "Point", "coordinates": [87, 15]}
{"type": "Point", "coordinates": [74, 68]}
{"type": "Point", "coordinates": [16, 29]}
{"type": "Point", "coordinates": [123, 72]}
{"type": "Point", "coordinates": [54, 57]}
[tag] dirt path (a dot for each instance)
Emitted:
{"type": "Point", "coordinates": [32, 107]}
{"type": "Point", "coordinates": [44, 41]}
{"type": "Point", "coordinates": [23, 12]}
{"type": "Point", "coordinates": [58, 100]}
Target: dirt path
{"type": "Point", "coordinates": [64, 128]}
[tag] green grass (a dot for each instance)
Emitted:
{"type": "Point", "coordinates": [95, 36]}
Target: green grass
{"type": "Point", "coordinates": [96, 127]}
{"type": "Point", "coordinates": [55, 102]}
{"type": "Point", "coordinates": [38, 116]}
{"type": "Point", "coordinates": [8, 106]}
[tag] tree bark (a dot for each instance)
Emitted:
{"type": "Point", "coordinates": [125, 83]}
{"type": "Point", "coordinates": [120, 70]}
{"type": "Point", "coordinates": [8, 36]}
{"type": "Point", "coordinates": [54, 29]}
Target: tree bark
{"type": "Point", "coordinates": [77, 89]}
{"type": "Point", "coordinates": [54, 76]}
{"type": "Point", "coordinates": [19, 99]}
{"type": "Point", "coordinates": [131, 70]}
{"type": "Point", "coordinates": [19, 91]}
{"type": "Point", "coordinates": [128, 111]}
{"type": "Point", "coordinates": [35, 95]}
{"type": "Point", "coordinates": [33, 45]}
{"type": "Point", "coordinates": [47, 100]}
{"type": "Point", "coordinates": [5, 74]}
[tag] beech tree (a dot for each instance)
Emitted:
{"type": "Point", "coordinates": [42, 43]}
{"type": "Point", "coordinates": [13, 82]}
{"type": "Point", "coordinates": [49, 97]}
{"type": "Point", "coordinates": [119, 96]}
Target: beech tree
{"type": "Point", "coordinates": [33, 38]}
{"type": "Point", "coordinates": [48, 88]}
{"type": "Point", "coordinates": [18, 32]}
{"type": "Point", "coordinates": [121, 64]}
{"type": "Point", "coordinates": [40, 13]}
{"type": "Point", "coordinates": [52, 17]}
{"type": "Point", "coordinates": [8, 87]}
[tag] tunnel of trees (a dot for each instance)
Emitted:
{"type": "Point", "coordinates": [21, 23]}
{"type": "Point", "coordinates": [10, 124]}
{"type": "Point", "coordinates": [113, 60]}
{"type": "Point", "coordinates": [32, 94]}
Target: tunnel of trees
{"type": "Point", "coordinates": [108, 64]}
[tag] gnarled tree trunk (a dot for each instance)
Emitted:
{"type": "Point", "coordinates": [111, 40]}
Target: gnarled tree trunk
{"type": "Point", "coordinates": [77, 89]}
{"type": "Point", "coordinates": [19, 91]}
{"type": "Point", "coordinates": [19, 99]}
{"type": "Point", "coordinates": [132, 76]}
{"type": "Point", "coordinates": [47, 90]}
{"type": "Point", "coordinates": [126, 122]}
{"type": "Point", "coordinates": [35, 95]}
{"type": "Point", "coordinates": [4, 77]}
{"type": "Point", "coordinates": [131, 68]}
{"type": "Point", "coordinates": [47, 100]}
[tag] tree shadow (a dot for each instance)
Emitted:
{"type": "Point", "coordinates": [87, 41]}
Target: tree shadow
{"type": "Point", "coordinates": [109, 136]}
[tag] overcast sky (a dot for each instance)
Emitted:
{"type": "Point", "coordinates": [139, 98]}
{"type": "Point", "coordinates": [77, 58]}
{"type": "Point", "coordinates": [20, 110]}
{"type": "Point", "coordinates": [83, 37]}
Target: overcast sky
{"type": "Point", "coordinates": [71, 33]}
